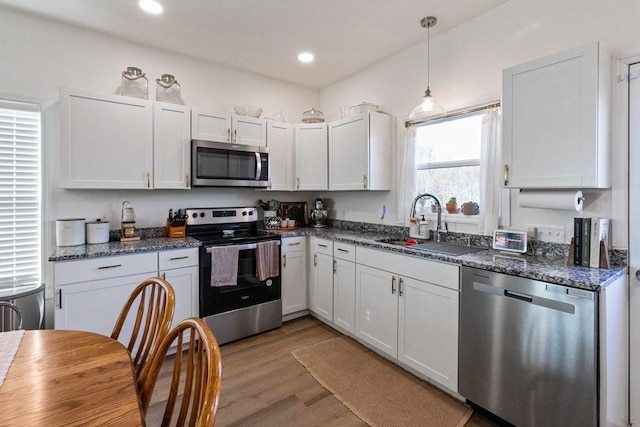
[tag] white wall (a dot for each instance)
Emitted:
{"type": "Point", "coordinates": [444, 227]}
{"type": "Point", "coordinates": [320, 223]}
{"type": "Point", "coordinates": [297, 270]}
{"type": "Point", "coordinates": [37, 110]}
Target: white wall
{"type": "Point", "coordinates": [39, 56]}
{"type": "Point", "coordinates": [466, 69]}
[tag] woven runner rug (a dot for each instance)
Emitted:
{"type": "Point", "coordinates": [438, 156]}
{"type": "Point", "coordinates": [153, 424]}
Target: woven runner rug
{"type": "Point", "coordinates": [377, 391]}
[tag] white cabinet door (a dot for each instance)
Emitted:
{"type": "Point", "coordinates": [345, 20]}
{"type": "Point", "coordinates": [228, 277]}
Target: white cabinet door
{"type": "Point", "coordinates": [294, 284]}
{"type": "Point", "coordinates": [555, 121]}
{"type": "Point", "coordinates": [94, 306]}
{"type": "Point", "coordinates": [311, 157]}
{"type": "Point", "coordinates": [360, 153]}
{"type": "Point", "coordinates": [185, 285]}
{"type": "Point", "coordinates": [280, 140]}
{"type": "Point", "coordinates": [106, 141]}
{"type": "Point", "coordinates": [171, 146]}
{"type": "Point", "coordinates": [377, 309]}
{"type": "Point", "coordinates": [323, 289]}
{"type": "Point", "coordinates": [210, 126]}
{"type": "Point", "coordinates": [428, 330]}
{"type": "Point", "coordinates": [248, 131]}
{"type": "Point", "coordinates": [344, 293]}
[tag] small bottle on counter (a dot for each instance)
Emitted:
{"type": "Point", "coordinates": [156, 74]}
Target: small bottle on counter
{"type": "Point", "coordinates": [423, 228]}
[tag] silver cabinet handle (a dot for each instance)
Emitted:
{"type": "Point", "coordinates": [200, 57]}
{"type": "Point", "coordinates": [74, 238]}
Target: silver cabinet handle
{"type": "Point", "coordinates": [163, 275]}
{"type": "Point", "coordinates": [293, 244]}
{"type": "Point", "coordinates": [364, 181]}
{"type": "Point", "coordinates": [178, 257]}
{"type": "Point", "coordinates": [343, 250]}
{"type": "Point", "coordinates": [335, 266]}
{"type": "Point", "coordinates": [284, 260]}
{"type": "Point", "coordinates": [109, 266]}
{"type": "Point", "coordinates": [228, 135]}
{"type": "Point", "coordinates": [297, 183]}
{"type": "Point", "coordinates": [322, 246]}
{"type": "Point", "coordinates": [187, 182]}
{"type": "Point", "coordinates": [315, 260]}
{"type": "Point", "coordinates": [235, 135]}
{"type": "Point", "coordinates": [393, 285]}
{"type": "Point", "coordinates": [148, 179]}
{"type": "Point", "coordinates": [400, 287]}
{"type": "Point", "coordinates": [59, 298]}
{"type": "Point", "coordinates": [506, 175]}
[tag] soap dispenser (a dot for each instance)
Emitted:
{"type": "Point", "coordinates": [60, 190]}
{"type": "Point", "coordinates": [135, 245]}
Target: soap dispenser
{"type": "Point", "coordinates": [423, 228]}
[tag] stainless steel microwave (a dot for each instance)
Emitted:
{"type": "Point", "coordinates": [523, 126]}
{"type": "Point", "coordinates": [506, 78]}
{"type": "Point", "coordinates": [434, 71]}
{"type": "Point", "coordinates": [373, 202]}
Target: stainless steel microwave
{"type": "Point", "coordinates": [222, 164]}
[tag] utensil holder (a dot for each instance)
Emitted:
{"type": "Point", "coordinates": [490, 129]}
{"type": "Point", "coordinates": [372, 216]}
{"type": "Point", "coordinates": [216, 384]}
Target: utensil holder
{"type": "Point", "coordinates": [175, 230]}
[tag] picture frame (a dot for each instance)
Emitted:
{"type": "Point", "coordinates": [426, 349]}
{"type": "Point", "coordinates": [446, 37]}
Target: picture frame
{"type": "Point", "coordinates": [295, 210]}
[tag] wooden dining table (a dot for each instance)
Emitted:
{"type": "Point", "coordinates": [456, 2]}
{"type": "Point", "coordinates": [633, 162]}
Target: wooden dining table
{"type": "Point", "coordinates": [70, 378]}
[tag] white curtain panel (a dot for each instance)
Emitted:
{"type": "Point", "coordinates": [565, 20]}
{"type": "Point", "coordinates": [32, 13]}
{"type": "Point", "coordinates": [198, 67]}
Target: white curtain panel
{"type": "Point", "coordinates": [407, 173]}
{"type": "Point", "coordinates": [491, 192]}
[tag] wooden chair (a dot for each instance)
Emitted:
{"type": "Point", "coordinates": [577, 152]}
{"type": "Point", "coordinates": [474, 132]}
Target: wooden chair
{"type": "Point", "coordinates": [10, 317]}
{"type": "Point", "coordinates": [154, 301]}
{"type": "Point", "coordinates": [201, 366]}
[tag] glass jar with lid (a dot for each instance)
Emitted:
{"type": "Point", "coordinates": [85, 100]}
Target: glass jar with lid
{"type": "Point", "coordinates": [312, 116]}
{"type": "Point", "coordinates": [168, 89]}
{"type": "Point", "coordinates": [134, 83]}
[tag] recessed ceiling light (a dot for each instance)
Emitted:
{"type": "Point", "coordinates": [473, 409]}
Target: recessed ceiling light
{"type": "Point", "coordinates": [151, 6]}
{"type": "Point", "coordinates": [305, 57]}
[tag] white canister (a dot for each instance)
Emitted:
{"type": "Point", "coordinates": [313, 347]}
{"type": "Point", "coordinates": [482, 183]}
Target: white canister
{"type": "Point", "coordinates": [98, 232]}
{"type": "Point", "coordinates": [70, 232]}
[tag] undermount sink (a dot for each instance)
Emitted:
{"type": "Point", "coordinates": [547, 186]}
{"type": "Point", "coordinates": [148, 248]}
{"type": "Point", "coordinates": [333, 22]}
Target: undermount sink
{"type": "Point", "coordinates": [437, 247]}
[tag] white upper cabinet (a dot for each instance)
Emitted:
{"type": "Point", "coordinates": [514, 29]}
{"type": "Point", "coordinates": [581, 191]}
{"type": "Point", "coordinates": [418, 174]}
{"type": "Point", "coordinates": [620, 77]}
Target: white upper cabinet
{"type": "Point", "coordinates": [556, 121]}
{"type": "Point", "coordinates": [223, 127]}
{"type": "Point", "coordinates": [106, 141]}
{"type": "Point", "coordinates": [171, 146]}
{"type": "Point", "coordinates": [360, 153]}
{"type": "Point", "coordinates": [280, 141]}
{"type": "Point", "coordinates": [311, 150]}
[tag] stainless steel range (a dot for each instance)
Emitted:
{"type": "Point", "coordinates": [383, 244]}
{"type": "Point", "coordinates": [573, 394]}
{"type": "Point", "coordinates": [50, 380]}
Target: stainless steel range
{"type": "Point", "coordinates": [247, 304]}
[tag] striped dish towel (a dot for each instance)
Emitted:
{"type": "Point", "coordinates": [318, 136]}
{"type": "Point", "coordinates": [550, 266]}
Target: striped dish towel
{"type": "Point", "coordinates": [267, 259]}
{"type": "Point", "coordinates": [9, 343]}
{"type": "Point", "coordinates": [224, 266]}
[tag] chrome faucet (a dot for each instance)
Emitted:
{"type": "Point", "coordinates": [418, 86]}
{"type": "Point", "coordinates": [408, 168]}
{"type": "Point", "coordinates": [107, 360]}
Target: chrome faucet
{"type": "Point", "coordinates": [439, 220]}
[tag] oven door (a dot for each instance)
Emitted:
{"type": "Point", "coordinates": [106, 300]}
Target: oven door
{"type": "Point", "coordinates": [249, 290]}
{"type": "Point", "coordinates": [219, 164]}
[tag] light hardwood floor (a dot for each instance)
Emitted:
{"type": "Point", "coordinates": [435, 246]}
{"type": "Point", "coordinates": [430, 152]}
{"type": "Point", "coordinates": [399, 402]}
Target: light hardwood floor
{"type": "Point", "coordinates": [263, 385]}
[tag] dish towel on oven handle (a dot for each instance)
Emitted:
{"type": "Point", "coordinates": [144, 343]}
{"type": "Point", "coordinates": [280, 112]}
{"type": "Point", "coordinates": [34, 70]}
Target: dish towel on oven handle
{"type": "Point", "coordinates": [224, 266]}
{"type": "Point", "coordinates": [267, 259]}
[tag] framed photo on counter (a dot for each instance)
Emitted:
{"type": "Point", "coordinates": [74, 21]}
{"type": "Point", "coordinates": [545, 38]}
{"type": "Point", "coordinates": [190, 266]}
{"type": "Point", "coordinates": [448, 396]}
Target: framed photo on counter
{"type": "Point", "coordinates": [295, 210]}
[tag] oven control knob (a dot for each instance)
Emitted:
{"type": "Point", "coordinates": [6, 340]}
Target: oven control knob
{"type": "Point", "coordinates": [195, 215]}
{"type": "Point", "coordinates": [250, 213]}
{"type": "Point", "coordinates": [244, 213]}
{"type": "Point", "coordinates": [202, 214]}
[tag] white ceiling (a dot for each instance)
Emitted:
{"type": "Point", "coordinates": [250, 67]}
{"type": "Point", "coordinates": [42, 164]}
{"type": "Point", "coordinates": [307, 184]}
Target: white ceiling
{"type": "Point", "coordinates": [265, 36]}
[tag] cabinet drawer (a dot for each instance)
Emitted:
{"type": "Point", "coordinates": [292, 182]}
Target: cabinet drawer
{"type": "Point", "coordinates": [321, 246]}
{"type": "Point", "coordinates": [177, 258]}
{"type": "Point", "coordinates": [344, 251]}
{"type": "Point", "coordinates": [294, 244]}
{"type": "Point", "coordinates": [105, 267]}
{"type": "Point", "coordinates": [435, 272]}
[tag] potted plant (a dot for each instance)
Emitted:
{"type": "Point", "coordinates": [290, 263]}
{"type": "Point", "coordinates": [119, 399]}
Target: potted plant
{"type": "Point", "coordinates": [452, 205]}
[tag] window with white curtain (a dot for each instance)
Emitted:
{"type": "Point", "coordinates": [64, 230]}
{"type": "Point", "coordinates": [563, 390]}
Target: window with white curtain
{"type": "Point", "coordinates": [448, 158]}
{"type": "Point", "coordinates": [20, 192]}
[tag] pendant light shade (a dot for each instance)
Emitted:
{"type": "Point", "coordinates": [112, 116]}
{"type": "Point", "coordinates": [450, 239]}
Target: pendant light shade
{"type": "Point", "coordinates": [428, 108]}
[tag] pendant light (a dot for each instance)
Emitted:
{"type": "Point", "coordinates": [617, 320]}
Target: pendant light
{"type": "Point", "coordinates": [428, 108]}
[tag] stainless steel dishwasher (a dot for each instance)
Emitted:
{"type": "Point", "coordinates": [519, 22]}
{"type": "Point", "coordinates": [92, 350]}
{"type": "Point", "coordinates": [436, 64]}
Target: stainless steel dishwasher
{"type": "Point", "coordinates": [528, 350]}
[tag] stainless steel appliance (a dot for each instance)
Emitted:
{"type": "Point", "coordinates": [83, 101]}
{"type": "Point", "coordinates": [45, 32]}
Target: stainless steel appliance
{"type": "Point", "coordinates": [318, 214]}
{"type": "Point", "coordinates": [252, 306]}
{"type": "Point", "coordinates": [221, 164]}
{"type": "Point", "coordinates": [528, 350]}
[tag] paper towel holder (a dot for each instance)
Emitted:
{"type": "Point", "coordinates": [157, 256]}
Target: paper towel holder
{"type": "Point", "coordinates": [559, 198]}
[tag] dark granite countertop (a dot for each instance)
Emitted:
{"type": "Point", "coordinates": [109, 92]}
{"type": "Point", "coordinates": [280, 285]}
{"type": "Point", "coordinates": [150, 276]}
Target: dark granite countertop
{"type": "Point", "coordinates": [114, 248]}
{"type": "Point", "coordinates": [551, 270]}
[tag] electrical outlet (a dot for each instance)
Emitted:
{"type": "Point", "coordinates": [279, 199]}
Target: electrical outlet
{"type": "Point", "coordinates": [550, 234]}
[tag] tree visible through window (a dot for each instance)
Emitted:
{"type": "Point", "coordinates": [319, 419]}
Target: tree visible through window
{"type": "Point", "coordinates": [19, 192]}
{"type": "Point", "coordinates": [448, 158]}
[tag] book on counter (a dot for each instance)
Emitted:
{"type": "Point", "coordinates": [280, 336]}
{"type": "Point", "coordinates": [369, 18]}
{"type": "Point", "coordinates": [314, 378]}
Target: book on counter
{"type": "Point", "coordinates": [599, 233]}
{"type": "Point", "coordinates": [587, 235]}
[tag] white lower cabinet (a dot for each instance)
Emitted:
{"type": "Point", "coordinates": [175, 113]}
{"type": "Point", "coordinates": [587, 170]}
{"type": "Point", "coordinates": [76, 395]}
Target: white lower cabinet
{"type": "Point", "coordinates": [377, 309]}
{"type": "Point", "coordinates": [90, 293]}
{"type": "Point", "coordinates": [344, 286]}
{"type": "Point", "coordinates": [294, 274]}
{"type": "Point", "coordinates": [428, 330]}
{"type": "Point", "coordinates": [180, 268]}
{"type": "Point", "coordinates": [321, 278]}
{"type": "Point", "coordinates": [415, 321]}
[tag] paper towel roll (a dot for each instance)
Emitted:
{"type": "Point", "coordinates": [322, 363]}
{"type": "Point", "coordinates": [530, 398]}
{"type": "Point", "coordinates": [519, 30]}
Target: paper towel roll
{"type": "Point", "coordinates": [563, 200]}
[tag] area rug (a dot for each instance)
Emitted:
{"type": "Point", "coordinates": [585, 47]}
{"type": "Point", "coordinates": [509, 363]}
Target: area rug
{"type": "Point", "coordinates": [378, 392]}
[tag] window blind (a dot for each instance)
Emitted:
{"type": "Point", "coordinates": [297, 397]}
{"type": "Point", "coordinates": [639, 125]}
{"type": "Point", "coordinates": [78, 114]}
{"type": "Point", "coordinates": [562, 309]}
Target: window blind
{"type": "Point", "coordinates": [20, 192]}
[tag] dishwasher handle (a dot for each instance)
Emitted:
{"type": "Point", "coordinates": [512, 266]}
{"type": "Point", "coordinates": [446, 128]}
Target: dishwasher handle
{"type": "Point", "coordinates": [519, 296]}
